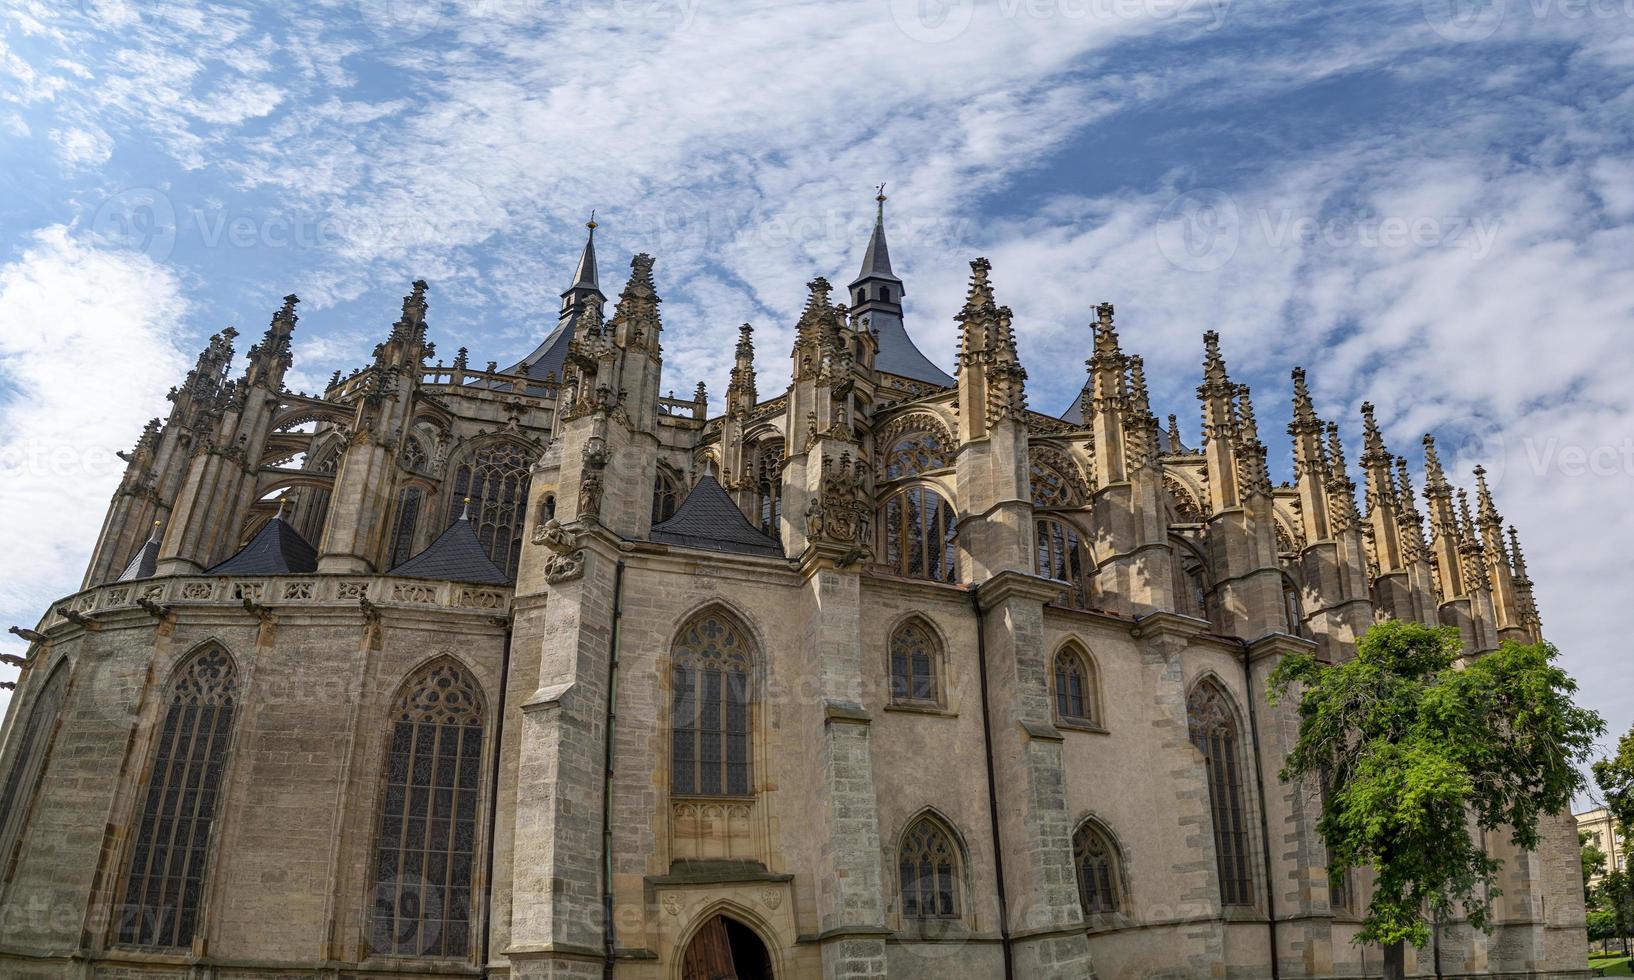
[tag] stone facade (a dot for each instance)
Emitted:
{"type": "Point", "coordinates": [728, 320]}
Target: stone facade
{"type": "Point", "coordinates": [988, 684]}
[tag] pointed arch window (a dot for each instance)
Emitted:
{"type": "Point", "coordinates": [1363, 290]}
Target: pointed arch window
{"type": "Point", "coordinates": [928, 867]}
{"type": "Point", "coordinates": [1049, 486]}
{"type": "Point", "coordinates": [426, 838]}
{"type": "Point", "coordinates": [28, 765]}
{"type": "Point", "coordinates": [408, 518]}
{"type": "Point", "coordinates": [914, 453]}
{"type": "Point", "coordinates": [1212, 723]}
{"type": "Point", "coordinates": [1190, 584]}
{"type": "Point", "coordinates": [415, 458]}
{"type": "Point", "coordinates": [1059, 552]}
{"type": "Point", "coordinates": [1096, 863]}
{"type": "Point", "coordinates": [918, 535]}
{"type": "Point", "coordinates": [711, 665]}
{"type": "Point", "coordinates": [666, 496]}
{"type": "Point", "coordinates": [171, 849]}
{"type": "Point", "coordinates": [495, 477]}
{"type": "Point", "coordinates": [915, 659]}
{"type": "Point", "coordinates": [1076, 699]}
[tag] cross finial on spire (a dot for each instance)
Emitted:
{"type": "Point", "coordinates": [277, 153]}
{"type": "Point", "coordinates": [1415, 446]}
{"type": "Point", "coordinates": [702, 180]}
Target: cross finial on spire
{"type": "Point", "coordinates": [591, 224]}
{"type": "Point", "coordinates": [879, 197]}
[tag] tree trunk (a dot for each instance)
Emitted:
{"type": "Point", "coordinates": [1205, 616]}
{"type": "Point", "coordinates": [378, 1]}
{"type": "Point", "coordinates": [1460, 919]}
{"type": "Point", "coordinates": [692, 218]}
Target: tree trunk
{"type": "Point", "coordinates": [1395, 961]}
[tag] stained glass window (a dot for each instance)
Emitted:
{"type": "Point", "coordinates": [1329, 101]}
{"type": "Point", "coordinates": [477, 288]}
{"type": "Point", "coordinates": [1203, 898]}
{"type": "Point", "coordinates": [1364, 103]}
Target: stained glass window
{"type": "Point", "coordinates": [1092, 857]}
{"type": "Point", "coordinates": [918, 531]}
{"type": "Point", "coordinates": [29, 763]}
{"type": "Point", "coordinates": [666, 496]}
{"type": "Point", "coordinates": [1050, 487]}
{"type": "Point", "coordinates": [1060, 553]}
{"type": "Point", "coordinates": [426, 842]}
{"type": "Point", "coordinates": [929, 872]}
{"type": "Point", "coordinates": [712, 670]}
{"type": "Point", "coordinates": [915, 453]}
{"type": "Point", "coordinates": [170, 849]}
{"type": "Point", "coordinates": [1213, 728]}
{"type": "Point", "coordinates": [1074, 686]}
{"type": "Point", "coordinates": [913, 664]}
{"type": "Point", "coordinates": [495, 477]}
{"type": "Point", "coordinates": [408, 516]}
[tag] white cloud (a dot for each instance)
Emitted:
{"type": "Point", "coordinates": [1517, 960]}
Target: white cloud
{"type": "Point", "coordinates": [88, 339]}
{"type": "Point", "coordinates": [82, 149]}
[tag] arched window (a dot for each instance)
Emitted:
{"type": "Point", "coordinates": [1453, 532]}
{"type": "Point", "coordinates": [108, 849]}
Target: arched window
{"type": "Point", "coordinates": [1059, 552]}
{"type": "Point", "coordinates": [915, 453]}
{"type": "Point", "coordinates": [495, 477]}
{"type": "Point", "coordinates": [1050, 487]}
{"type": "Point", "coordinates": [28, 765]}
{"type": "Point", "coordinates": [1075, 694]}
{"type": "Point", "coordinates": [170, 849]}
{"type": "Point", "coordinates": [1213, 727]}
{"type": "Point", "coordinates": [408, 517]}
{"type": "Point", "coordinates": [1292, 608]}
{"type": "Point", "coordinates": [1190, 585]}
{"type": "Point", "coordinates": [426, 839]}
{"type": "Point", "coordinates": [666, 496]}
{"type": "Point", "coordinates": [929, 870]}
{"type": "Point", "coordinates": [914, 660]}
{"type": "Point", "coordinates": [918, 532]}
{"type": "Point", "coordinates": [414, 456]}
{"type": "Point", "coordinates": [1096, 863]}
{"type": "Point", "coordinates": [712, 669]}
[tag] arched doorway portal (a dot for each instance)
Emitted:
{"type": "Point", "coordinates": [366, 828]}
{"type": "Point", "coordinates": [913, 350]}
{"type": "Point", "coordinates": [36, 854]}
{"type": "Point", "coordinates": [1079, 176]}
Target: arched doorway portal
{"type": "Point", "coordinates": [726, 949]}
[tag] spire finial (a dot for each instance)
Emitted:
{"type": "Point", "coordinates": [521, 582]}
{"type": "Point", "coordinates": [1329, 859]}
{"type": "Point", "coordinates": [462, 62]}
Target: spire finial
{"type": "Point", "coordinates": [879, 198]}
{"type": "Point", "coordinates": [465, 510]}
{"type": "Point", "coordinates": [159, 524]}
{"type": "Point", "coordinates": [283, 502]}
{"type": "Point", "coordinates": [1174, 433]}
{"type": "Point", "coordinates": [591, 224]}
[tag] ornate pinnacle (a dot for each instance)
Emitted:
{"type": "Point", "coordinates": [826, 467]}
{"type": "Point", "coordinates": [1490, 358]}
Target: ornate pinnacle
{"type": "Point", "coordinates": [1140, 402]}
{"type": "Point", "coordinates": [1304, 421]}
{"type": "Point", "coordinates": [1517, 559]}
{"type": "Point", "coordinates": [287, 312]}
{"type": "Point", "coordinates": [1373, 451]}
{"type": "Point", "coordinates": [1435, 478]}
{"type": "Point", "coordinates": [746, 347]}
{"type": "Point", "coordinates": [1174, 434]}
{"type": "Point", "coordinates": [1484, 505]}
{"type": "Point", "coordinates": [1216, 382]}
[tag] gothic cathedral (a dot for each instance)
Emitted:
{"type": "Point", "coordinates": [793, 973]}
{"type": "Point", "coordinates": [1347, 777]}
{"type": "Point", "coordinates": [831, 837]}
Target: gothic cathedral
{"type": "Point", "coordinates": [535, 672]}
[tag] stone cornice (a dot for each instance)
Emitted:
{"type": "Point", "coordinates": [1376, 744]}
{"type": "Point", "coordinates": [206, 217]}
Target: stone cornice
{"type": "Point", "coordinates": [1011, 584]}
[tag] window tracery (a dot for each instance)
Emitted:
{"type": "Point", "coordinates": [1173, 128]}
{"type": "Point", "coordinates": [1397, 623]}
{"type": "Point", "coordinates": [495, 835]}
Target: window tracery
{"type": "Point", "coordinates": [917, 532]}
{"type": "Point", "coordinates": [914, 661]}
{"type": "Point", "coordinates": [1212, 725]}
{"type": "Point", "coordinates": [928, 870]}
{"type": "Point", "coordinates": [711, 667]}
{"type": "Point", "coordinates": [495, 478]}
{"type": "Point", "coordinates": [1096, 864]}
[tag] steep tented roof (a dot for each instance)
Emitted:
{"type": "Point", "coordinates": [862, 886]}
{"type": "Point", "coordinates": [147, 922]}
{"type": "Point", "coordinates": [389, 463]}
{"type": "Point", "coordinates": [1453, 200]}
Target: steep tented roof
{"type": "Point", "coordinates": [456, 556]}
{"type": "Point", "coordinates": [708, 519]}
{"type": "Point", "coordinates": [898, 355]}
{"type": "Point", "coordinates": [276, 549]}
{"type": "Point", "coordinates": [143, 563]}
{"type": "Point", "coordinates": [551, 354]}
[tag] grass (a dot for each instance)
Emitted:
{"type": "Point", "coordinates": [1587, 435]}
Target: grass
{"type": "Point", "coordinates": [1610, 966]}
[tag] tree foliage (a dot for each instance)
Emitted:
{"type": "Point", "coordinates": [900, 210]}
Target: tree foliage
{"type": "Point", "coordinates": [1412, 752]}
{"type": "Point", "coordinates": [1594, 863]}
{"type": "Point", "coordinates": [1616, 778]}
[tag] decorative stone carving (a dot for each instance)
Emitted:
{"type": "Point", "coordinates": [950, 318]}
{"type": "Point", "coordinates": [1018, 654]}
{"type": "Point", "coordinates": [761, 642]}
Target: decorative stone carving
{"type": "Point", "coordinates": [567, 558]}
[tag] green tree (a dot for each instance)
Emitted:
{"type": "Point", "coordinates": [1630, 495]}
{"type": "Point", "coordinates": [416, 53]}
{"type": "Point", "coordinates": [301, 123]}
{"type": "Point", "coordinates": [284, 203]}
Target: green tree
{"type": "Point", "coordinates": [1616, 778]}
{"type": "Point", "coordinates": [1594, 862]}
{"type": "Point", "coordinates": [1409, 750]}
{"type": "Point", "coordinates": [1615, 895]}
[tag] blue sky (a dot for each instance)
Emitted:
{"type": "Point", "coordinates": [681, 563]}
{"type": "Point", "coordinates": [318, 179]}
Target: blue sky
{"type": "Point", "coordinates": [1428, 204]}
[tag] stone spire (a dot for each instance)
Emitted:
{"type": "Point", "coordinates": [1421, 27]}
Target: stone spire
{"type": "Point", "coordinates": [1140, 426]}
{"type": "Point", "coordinates": [1507, 607]}
{"type": "Point", "coordinates": [1341, 488]}
{"type": "Point", "coordinates": [876, 298]}
{"type": "Point", "coordinates": [1310, 462]}
{"type": "Point", "coordinates": [740, 390]}
{"type": "Point", "coordinates": [1411, 522]}
{"type": "Point", "coordinates": [1444, 536]}
{"type": "Point", "coordinates": [1383, 509]}
{"type": "Point", "coordinates": [1174, 434]}
{"type": "Point", "coordinates": [1523, 587]}
{"type": "Point", "coordinates": [269, 359]}
{"type": "Point", "coordinates": [1253, 474]}
{"type": "Point", "coordinates": [991, 378]}
{"type": "Point", "coordinates": [1218, 395]}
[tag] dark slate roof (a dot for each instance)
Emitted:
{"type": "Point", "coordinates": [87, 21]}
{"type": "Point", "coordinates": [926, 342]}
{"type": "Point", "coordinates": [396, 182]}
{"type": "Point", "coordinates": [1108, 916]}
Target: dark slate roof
{"type": "Point", "coordinates": [1075, 415]}
{"type": "Point", "coordinates": [549, 356]}
{"type": "Point", "coordinates": [456, 556]}
{"type": "Point", "coordinates": [898, 355]}
{"type": "Point", "coordinates": [708, 519]}
{"type": "Point", "coordinates": [876, 261]}
{"type": "Point", "coordinates": [143, 563]}
{"type": "Point", "coordinates": [276, 549]}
